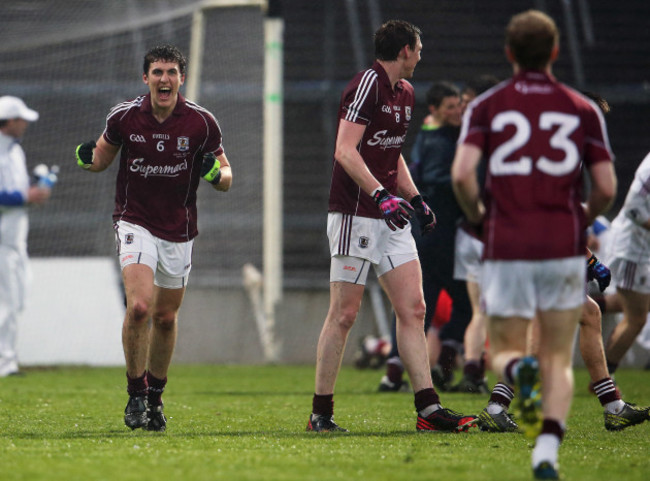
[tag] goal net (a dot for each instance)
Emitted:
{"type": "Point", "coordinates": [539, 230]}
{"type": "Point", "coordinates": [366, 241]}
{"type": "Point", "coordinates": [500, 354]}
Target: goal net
{"type": "Point", "coordinates": [73, 60]}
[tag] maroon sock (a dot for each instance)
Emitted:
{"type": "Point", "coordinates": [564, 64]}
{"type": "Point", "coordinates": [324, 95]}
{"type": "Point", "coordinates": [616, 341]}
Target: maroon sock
{"type": "Point", "coordinates": [394, 372]}
{"type": "Point", "coordinates": [323, 404]}
{"type": "Point", "coordinates": [136, 386]}
{"type": "Point", "coordinates": [482, 364]}
{"type": "Point", "coordinates": [447, 359]}
{"type": "Point", "coordinates": [502, 394]}
{"type": "Point", "coordinates": [509, 371]}
{"type": "Point", "coordinates": [551, 426]}
{"type": "Point", "coordinates": [156, 389]}
{"type": "Point", "coordinates": [425, 398]}
{"type": "Point", "coordinates": [472, 370]}
{"type": "Point", "coordinates": [606, 391]}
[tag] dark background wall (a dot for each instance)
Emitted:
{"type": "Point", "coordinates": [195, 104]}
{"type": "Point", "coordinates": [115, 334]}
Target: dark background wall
{"type": "Point", "coordinates": [461, 40]}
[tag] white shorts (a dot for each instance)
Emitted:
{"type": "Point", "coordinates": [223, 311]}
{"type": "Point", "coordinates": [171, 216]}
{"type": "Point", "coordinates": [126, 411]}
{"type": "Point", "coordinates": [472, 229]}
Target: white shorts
{"type": "Point", "coordinates": [171, 262]}
{"type": "Point", "coordinates": [629, 275]}
{"type": "Point", "coordinates": [520, 288]}
{"type": "Point", "coordinates": [357, 242]}
{"type": "Point", "coordinates": [467, 257]}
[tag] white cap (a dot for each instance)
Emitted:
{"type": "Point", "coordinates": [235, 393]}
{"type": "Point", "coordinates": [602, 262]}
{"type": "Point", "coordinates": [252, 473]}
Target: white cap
{"type": "Point", "coordinates": [14, 108]}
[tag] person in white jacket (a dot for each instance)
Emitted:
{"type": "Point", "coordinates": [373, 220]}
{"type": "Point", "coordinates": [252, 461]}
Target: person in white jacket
{"type": "Point", "coordinates": [15, 194]}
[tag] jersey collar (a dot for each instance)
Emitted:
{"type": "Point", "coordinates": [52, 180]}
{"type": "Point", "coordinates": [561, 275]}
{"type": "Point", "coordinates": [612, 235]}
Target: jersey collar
{"type": "Point", "coordinates": [383, 77]}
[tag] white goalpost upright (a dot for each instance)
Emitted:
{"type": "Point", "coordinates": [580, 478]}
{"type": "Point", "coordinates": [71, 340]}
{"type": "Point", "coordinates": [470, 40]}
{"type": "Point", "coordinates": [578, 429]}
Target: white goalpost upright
{"type": "Point", "coordinates": [264, 290]}
{"type": "Point", "coordinates": [273, 179]}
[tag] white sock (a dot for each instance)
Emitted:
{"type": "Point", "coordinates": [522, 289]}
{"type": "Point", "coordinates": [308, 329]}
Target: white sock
{"type": "Point", "coordinates": [495, 408]}
{"type": "Point", "coordinates": [429, 409]}
{"type": "Point", "coordinates": [546, 449]}
{"type": "Point", "coordinates": [614, 407]}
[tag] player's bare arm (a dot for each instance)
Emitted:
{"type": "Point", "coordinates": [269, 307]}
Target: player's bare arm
{"type": "Point", "coordinates": [603, 190]}
{"type": "Point", "coordinates": [96, 156]}
{"type": "Point", "coordinates": [465, 182]}
{"type": "Point", "coordinates": [104, 155]}
{"type": "Point", "coordinates": [405, 186]}
{"type": "Point", "coordinates": [348, 156]}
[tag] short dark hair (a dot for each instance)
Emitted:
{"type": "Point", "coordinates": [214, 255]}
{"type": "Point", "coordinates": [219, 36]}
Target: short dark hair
{"type": "Point", "coordinates": [439, 90]}
{"type": "Point", "coordinates": [480, 84]}
{"type": "Point", "coordinates": [598, 100]}
{"type": "Point", "coordinates": [167, 53]}
{"type": "Point", "coordinates": [392, 36]}
{"type": "Point", "coordinates": [531, 36]}
{"type": "Point", "coordinates": [3, 122]}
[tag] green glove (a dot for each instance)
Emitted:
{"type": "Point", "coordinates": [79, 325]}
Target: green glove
{"type": "Point", "coordinates": [211, 168]}
{"type": "Point", "coordinates": [84, 154]}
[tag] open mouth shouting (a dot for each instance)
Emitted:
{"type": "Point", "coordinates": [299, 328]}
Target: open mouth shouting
{"type": "Point", "coordinates": [164, 93]}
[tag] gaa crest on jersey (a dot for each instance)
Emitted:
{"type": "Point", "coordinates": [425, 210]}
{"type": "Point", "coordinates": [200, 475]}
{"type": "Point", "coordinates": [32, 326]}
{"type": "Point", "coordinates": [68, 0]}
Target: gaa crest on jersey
{"type": "Point", "coordinates": [128, 238]}
{"type": "Point", "coordinates": [407, 113]}
{"type": "Point", "coordinates": [183, 144]}
{"type": "Point", "coordinates": [364, 242]}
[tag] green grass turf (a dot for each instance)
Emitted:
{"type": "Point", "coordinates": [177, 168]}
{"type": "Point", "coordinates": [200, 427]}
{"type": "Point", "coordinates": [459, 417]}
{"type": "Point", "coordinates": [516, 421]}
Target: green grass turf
{"type": "Point", "coordinates": [248, 423]}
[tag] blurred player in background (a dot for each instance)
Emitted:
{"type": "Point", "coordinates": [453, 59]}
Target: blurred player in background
{"type": "Point", "coordinates": [536, 134]}
{"type": "Point", "coordinates": [368, 224]}
{"type": "Point", "coordinates": [629, 260]}
{"type": "Point", "coordinates": [432, 155]}
{"type": "Point", "coordinates": [468, 251]}
{"type": "Point", "coordinates": [168, 144]}
{"type": "Point", "coordinates": [16, 194]}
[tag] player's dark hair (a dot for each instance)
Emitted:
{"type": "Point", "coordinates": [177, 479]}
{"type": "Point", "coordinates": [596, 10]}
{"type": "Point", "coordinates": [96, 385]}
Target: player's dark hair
{"type": "Point", "coordinates": [531, 36]}
{"type": "Point", "coordinates": [480, 84]}
{"type": "Point", "coordinates": [439, 90]}
{"type": "Point", "coordinates": [392, 36]}
{"type": "Point", "coordinates": [598, 100]}
{"type": "Point", "coordinates": [3, 122]}
{"type": "Point", "coordinates": [167, 53]}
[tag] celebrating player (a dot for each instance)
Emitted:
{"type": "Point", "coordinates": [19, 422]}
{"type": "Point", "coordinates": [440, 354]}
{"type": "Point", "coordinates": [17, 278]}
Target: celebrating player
{"type": "Point", "coordinates": [168, 144]}
{"type": "Point", "coordinates": [368, 224]}
{"type": "Point", "coordinates": [536, 135]}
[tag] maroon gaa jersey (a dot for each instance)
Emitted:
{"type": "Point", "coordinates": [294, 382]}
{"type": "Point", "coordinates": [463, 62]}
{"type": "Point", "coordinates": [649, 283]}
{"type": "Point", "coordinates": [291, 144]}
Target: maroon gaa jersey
{"type": "Point", "coordinates": [160, 164]}
{"type": "Point", "coordinates": [370, 100]}
{"type": "Point", "coordinates": [537, 135]}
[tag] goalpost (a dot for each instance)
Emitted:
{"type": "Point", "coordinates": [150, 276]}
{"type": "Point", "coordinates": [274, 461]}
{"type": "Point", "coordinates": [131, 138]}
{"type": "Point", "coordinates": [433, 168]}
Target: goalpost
{"type": "Point", "coordinates": [269, 284]}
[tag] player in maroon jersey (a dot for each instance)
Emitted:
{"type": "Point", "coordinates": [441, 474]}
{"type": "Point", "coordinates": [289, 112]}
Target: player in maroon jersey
{"type": "Point", "coordinates": [167, 144]}
{"type": "Point", "coordinates": [368, 224]}
{"type": "Point", "coordinates": [536, 134]}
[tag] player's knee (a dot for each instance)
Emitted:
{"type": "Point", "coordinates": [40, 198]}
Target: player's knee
{"type": "Point", "coordinates": [412, 314]}
{"type": "Point", "coordinates": [345, 318]}
{"type": "Point", "coordinates": [165, 320]}
{"type": "Point", "coordinates": [138, 311]}
{"type": "Point", "coordinates": [591, 316]}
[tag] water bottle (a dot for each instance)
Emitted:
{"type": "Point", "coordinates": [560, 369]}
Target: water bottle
{"type": "Point", "coordinates": [46, 176]}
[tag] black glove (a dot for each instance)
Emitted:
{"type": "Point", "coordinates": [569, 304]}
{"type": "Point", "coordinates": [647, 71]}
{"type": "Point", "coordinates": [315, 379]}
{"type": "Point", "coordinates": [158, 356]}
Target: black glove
{"type": "Point", "coordinates": [425, 215]}
{"type": "Point", "coordinates": [396, 211]}
{"type": "Point", "coordinates": [599, 272]}
{"type": "Point", "coordinates": [211, 168]}
{"type": "Point", "coordinates": [84, 154]}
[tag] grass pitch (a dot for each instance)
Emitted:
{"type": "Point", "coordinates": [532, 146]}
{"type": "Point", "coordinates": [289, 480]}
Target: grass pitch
{"type": "Point", "coordinates": [248, 423]}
